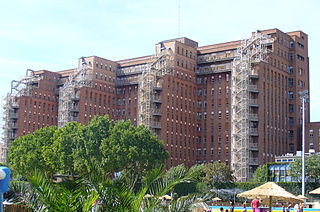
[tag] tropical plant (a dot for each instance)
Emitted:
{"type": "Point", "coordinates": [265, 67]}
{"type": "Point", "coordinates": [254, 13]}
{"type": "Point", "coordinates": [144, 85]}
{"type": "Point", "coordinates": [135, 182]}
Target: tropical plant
{"type": "Point", "coordinates": [127, 192]}
{"type": "Point", "coordinates": [40, 193]}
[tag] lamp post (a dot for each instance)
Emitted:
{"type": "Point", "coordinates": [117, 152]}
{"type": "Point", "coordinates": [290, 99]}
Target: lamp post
{"type": "Point", "coordinates": [303, 97]}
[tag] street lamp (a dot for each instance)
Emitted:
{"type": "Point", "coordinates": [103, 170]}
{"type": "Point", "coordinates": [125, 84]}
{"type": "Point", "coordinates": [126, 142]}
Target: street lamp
{"type": "Point", "coordinates": [304, 95]}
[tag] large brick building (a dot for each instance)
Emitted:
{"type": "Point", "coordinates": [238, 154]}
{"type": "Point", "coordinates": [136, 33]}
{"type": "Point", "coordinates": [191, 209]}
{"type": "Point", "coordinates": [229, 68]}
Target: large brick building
{"type": "Point", "coordinates": [203, 106]}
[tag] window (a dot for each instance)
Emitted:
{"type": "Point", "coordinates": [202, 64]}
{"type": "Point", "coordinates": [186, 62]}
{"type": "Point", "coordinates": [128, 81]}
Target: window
{"type": "Point", "coordinates": [299, 57]}
{"type": "Point", "coordinates": [290, 95]}
{"type": "Point", "coordinates": [212, 79]}
{"type": "Point", "coordinates": [291, 108]}
{"type": "Point", "coordinates": [199, 92]}
{"type": "Point", "coordinates": [291, 133]}
{"type": "Point", "coordinates": [212, 91]}
{"type": "Point", "coordinates": [290, 82]}
{"type": "Point", "coordinates": [290, 70]}
{"type": "Point", "coordinates": [291, 44]}
{"type": "Point", "coordinates": [310, 133]}
{"type": "Point", "coordinates": [291, 121]}
{"type": "Point", "coordinates": [301, 71]}
{"type": "Point", "coordinates": [301, 45]}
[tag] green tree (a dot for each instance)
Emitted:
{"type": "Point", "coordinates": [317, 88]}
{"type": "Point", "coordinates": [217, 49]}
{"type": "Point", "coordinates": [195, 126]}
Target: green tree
{"type": "Point", "coordinates": [261, 174]}
{"type": "Point", "coordinates": [26, 152]}
{"type": "Point", "coordinates": [131, 148]}
{"type": "Point", "coordinates": [217, 174]}
{"type": "Point", "coordinates": [312, 169]}
{"type": "Point", "coordinates": [87, 148]}
{"type": "Point", "coordinates": [77, 149]}
{"type": "Point", "coordinates": [59, 155]}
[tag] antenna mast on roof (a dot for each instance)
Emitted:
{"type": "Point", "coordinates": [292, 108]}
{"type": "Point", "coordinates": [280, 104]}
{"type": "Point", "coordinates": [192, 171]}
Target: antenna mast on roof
{"type": "Point", "coordinates": [179, 7]}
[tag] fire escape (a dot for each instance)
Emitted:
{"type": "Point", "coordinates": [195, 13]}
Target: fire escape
{"type": "Point", "coordinates": [245, 91]}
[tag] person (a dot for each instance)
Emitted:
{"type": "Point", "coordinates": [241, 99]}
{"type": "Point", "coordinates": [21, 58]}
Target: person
{"type": "Point", "coordinates": [300, 207]}
{"type": "Point", "coordinates": [289, 206]}
{"type": "Point", "coordinates": [221, 209]}
{"type": "Point", "coordinates": [283, 207]}
{"type": "Point", "coordinates": [244, 205]}
{"type": "Point", "coordinates": [255, 205]}
{"type": "Point", "coordinates": [232, 206]}
{"type": "Point", "coordinates": [296, 207]}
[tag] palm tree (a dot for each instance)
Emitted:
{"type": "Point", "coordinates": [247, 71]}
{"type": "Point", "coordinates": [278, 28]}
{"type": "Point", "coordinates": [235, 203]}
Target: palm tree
{"type": "Point", "coordinates": [99, 192]}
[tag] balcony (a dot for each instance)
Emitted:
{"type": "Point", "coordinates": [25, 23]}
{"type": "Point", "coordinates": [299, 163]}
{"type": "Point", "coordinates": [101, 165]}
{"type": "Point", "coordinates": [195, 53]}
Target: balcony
{"type": "Point", "coordinates": [253, 131]}
{"type": "Point", "coordinates": [13, 115]}
{"type": "Point", "coordinates": [214, 58]}
{"type": "Point", "coordinates": [155, 125]}
{"type": "Point", "coordinates": [132, 70]}
{"type": "Point", "coordinates": [253, 88]}
{"type": "Point", "coordinates": [73, 118]}
{"type": "Point", "coordinates": [156, 112]}
{"type": "Point", "coordinates": [253, 146]}
{"type": "Point", "coordinates": [254, 74]}
{"type": "Point", "coordinates": [75, 98]}
{"type": "Point", "coordinates": [253, 103]}
{"type": "Point", "coordinates": [74, 109]}
{"type": "Point", "coordinates": [12, 136]}
{"type": "Point", "coordinates": [129, 81]}
{"type": "Point", "coordinates": [253, 162]}
{"type": "Point", "coordinates": [253, 117]}
{"type": "Point", "coordinates": [157, 88]}
{"type": "Point", "coordinates": [15, 105]}
{"type": "Point", "coordinates": [156, 99]}
{"type": "Point", "coordinates": [13, 125]}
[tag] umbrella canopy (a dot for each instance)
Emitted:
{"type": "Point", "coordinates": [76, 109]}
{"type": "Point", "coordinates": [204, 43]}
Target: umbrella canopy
{"type": "Point", "coordinates": [302, 197]}
{"type": "Point", "coordinates": [216, 199]}
{"type": "Point", "coordinates": [269, 190]}
{"type": "Point", "coordinates": [148, 196]}
{"type": "Point", "coordinates": [167, 197]}
{"type": "Point", "coordinates": [316, 191]}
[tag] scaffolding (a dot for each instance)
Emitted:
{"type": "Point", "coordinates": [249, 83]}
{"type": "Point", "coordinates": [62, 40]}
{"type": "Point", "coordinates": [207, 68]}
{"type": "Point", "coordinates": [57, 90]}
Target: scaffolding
{"type": "Point", "coordinates": [69, 93]}
{"type": "Point", "coordinates": [23, 87]}
{"type": "Point", "coordinates": [251, 51]}
{"type": "Point", "coordinates": [150, 85]}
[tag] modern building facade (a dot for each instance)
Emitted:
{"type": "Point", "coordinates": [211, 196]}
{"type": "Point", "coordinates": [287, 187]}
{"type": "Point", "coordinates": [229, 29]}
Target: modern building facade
{"type": "Point", "coordinates": [235, 102]}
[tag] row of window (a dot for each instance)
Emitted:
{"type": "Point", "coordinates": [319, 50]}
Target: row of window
{"type": "Point", "coordinates": [204, 80]}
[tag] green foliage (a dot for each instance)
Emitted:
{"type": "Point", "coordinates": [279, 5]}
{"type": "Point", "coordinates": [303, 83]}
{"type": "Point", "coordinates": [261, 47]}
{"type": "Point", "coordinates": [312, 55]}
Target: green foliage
{"type": "Point", "coordinates": [26, 152]}
{"type": "Point", "coordinates": [117, 194]}
{"type": "Point", "coordinates": [312, 169]}
{"type": "Point", "coordinates": [247, 185]}
{"type": "Point", "coordinates": [87, 151]}
{"type": "Point", "coordinates": [261, 174]}
{"type": "Point", "coordinates": [77, 149]}
{"type": "Point", "coordinates": [131, 148]}
{"type": "Point", "coordinates": [217, 174]}
{"type": "Point", "coordinates": [59, 155]}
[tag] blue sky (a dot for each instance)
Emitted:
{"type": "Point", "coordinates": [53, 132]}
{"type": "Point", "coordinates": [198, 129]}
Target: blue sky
{"type": "Point", "coordinates": [47, 34]}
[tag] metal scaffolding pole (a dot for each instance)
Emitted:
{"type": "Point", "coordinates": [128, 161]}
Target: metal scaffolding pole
{"type": "Point", "coordinates": [251, 51]}
{"type": "Point", "coordinates": [22, 87]}
{"type": "Point", "coordinates": [150, 84]}
{"type": "Point", "coordinates": [69, 95]}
